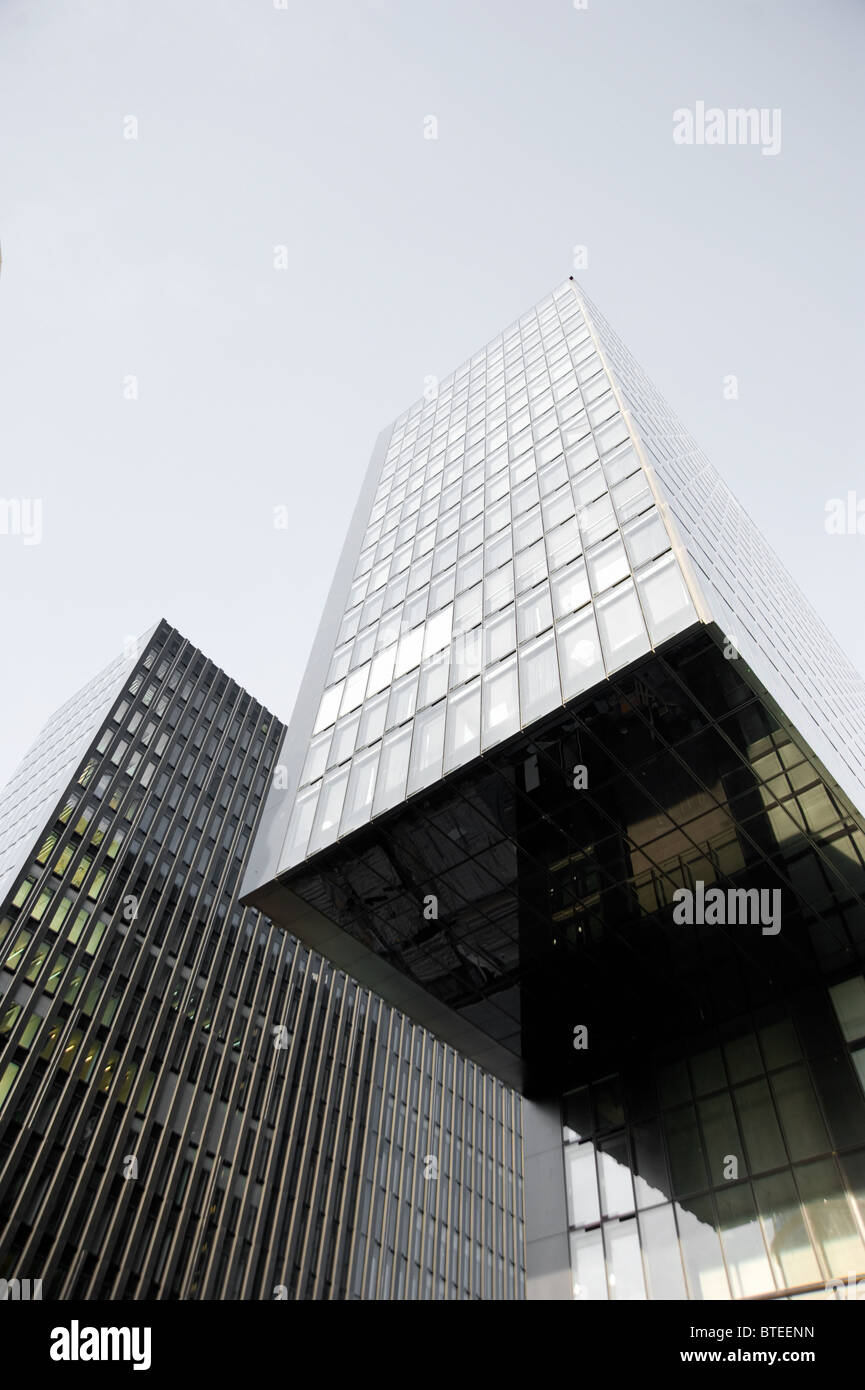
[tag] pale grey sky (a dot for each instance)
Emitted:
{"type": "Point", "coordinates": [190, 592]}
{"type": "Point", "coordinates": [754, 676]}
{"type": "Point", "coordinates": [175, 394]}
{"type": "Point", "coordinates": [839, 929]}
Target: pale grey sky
{"type": "Point", "coordinates": [304, 127]}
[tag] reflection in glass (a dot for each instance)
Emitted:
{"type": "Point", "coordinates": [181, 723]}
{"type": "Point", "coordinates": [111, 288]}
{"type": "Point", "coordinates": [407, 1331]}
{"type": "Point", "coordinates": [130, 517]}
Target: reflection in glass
{"type": "Point", "coordinates": [747, 1263]}
{"type": "Point", "coordinates": [620, 623]}
{"type": "Point", "coordinates": [330, 801]}
{"type": "Point", "coordinates": [651, 1183]}
{"type": "Point", "coordinates": [501, 710]}
{"type": "Point", "coordinates": [427, 748]}
{"type": "Point", "coordinates": [358, 799]}
{"type": "Point", "coordinates": [580, 657]}
{"type": "Point", "coordinates": [587, 1265]}
{"type": "Point", "coordinates": [701, 1250]}
{"type": "Point", "coordinates": [763, 1144]}
{"type": "Point", "coordinates": [577, 1114]}
{"type": "Point", "coordinates": [624, 1265]}
{"type": "Point", "coordinates": [721, 1137]}
{"type": "Point", "coordinates": [683, 1144]}
{"type": "Point", "coordinates": [830, 1217]}
{"type": "Point", "coordinates": [663, 1263]}
{"type": "Point", "coordinates": [581, 1184]}
{"type": "Point", "coordinates": [463, 735]}
{"type": "Point", "coordinates": [792, 1258]}
{"type": "Point", "coordinates": [797, 1105]}
{"type": "Point", "coordinates": [390, 784]}
{"type": "Point", "coordinates": [539, 679]}
{"type": "Point", "coordinates": [614, 1176]}
{"type": "Point", "coordinates": [665, 598]}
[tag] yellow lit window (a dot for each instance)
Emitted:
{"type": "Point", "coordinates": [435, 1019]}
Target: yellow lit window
{"type": "Point", "coordinates": [18, 950]}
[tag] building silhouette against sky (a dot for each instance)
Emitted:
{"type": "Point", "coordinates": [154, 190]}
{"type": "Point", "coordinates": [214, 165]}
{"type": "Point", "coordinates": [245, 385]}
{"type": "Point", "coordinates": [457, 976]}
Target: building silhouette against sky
{"type": "Point", "coordinates": [192, 1105]}
{"type": "Point", "coordinates": [575, 779]}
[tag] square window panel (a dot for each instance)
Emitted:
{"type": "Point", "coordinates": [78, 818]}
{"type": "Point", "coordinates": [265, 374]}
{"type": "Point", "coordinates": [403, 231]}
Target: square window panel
{"type": "Point", "coordinates": [528, 529]}
{"type": "Point", "coordinates": [351, 622]}
{"type": "Point", "coordinates": [646, 538]}
{"type": "Point", "coordinates": [442, 590]}
{"type": "Point", "coordinates": [552, 478]}
{"type": "Point", "coordinates": [497, 516]}
{"type": "Point", "coordinates": [339, 664]}
{"type": "Point", "coordinates": [501, 709]}
{"type": "Point", "coordinates": [848, 1001]}
{"type": "Point", "coordinates": [363, 648]}
{"type": "Point", "coordinates": [524, 497]}
{"type": "Point", "coordinates": [395, 592]}
{"type": "Point", "coordinates": [610, 435]}
{"type": "Point", "coordinates": [444, 555]}
{"type": "Point", "coordinates": [582, 456]}
{"type": "Point", "coordinates": [381, 670]}
{"type": "Point", "coordinates": [403, 696]}
{"type": "Point", "coordinates": [316, 758]}
{"type": "Point", "coordinates": [563, 544]}
{"type": "Point", "coordinates": [358, 799]}
{"type": "Point", "coordinates": [589, 486]}
{"type": "Point", "coordinates": [329, 708]}
{"type": "Point", "coordinates": [620, 623]}
{"type": "Point", "coordinates": [607, 564]}
{"type": "Point", "coordinates": [327, 816]}
{"type": "Point", "coordinates": [433, 682]}
{"type": "Point", "coordinates": [498, 589]}
{"type": "Point", "coordinates": [299, 827]}
{"type": "Point", "coordinates": [409, 652]}
{"type": "Point", "coordinates": [420, 574]}
{"type": "Point", "coordinates": [624, 1262]}
{"type": "Point", "coordinates": [437, 633]}
{"type": "Point", "coordinates": [570, 588]}
{"type": "Point", "coordinates": [575, 425]}
{"type": "Point", "coordinates": [530, 566]}
{"type": "Point", "coordinates": [468, 608]}
{"type": "Point", "coordinates": [498, 552]}
{"type": "Point", "coordinates": [558, 508]}
{"type": "Point", "coordinates": [467, 656]}
{"type": "Point", "coordinates": [582, 1185]}
{"type": "Point", "coordinates": [500, 637]}
{"type": "Point", "coordinates": [343, 741]}
{"type": "Point", "coordinates": [587, 1265]}
{"type": "Point", "coordinates": [534, 613]}
{"type": "Point", "coordinates": [414, 610]}
{"type": "Point", "coordinates": [580, 658]}
{"type": "Point", "coordinates": [540, 690]}
{"type": "Point", "coordinates": [632, 497]}
{"type": "Point", "coordinates": [372, 720]}
{"type": "Point", "coordinates": [665, 598]}
{"type": "Point", "coordinates": [428, 737]}
{"type": "Point", "coordinates": [597, 520]}
{"type": "Point", "coordinates": [470, 571]}
{"type": "Point", "coordinates": [393, 770]}
{"type": "Point", "coordinates": [620, 465]}
{"type": "Point", "coordinates": [463, 732]}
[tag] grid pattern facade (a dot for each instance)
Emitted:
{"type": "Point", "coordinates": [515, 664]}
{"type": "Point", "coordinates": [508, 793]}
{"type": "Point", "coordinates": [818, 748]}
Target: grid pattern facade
{"type": "Point", "coordinates": [514, 556]}
{"type": "Point", "coordinates": [751, 595]}
{"type": "Point", "coordinates": [735, 1172]}
{"type": "Point", "coordinates": [192, 1105]}
{"type": "Point", "coordinates": [27, 798]}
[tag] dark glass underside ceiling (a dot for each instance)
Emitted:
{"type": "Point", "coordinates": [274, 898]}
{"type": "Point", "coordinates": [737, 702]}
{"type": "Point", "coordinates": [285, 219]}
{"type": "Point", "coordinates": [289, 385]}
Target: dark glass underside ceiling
{"type": "Point", "coordinates": [532, 904]}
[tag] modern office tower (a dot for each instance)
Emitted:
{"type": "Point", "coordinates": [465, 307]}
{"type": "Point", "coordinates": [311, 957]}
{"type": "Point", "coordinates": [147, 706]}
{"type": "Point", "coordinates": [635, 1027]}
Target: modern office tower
{"type": "Point", "coordinates": [193, 1106]}
{"type": "Point", "coordinates": [576, 780]}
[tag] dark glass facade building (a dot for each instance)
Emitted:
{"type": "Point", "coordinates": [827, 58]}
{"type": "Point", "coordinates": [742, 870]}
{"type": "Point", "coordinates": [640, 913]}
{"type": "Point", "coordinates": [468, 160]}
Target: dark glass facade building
{"type": "Point", "coordinates": [193, 1105]}
{"type": "Point", "coordinates": [576, 780]}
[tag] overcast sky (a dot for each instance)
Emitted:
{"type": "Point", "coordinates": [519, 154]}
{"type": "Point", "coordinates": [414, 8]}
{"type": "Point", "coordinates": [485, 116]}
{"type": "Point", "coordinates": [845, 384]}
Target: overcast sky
{"type": "Point", "coordinates": [303, 127]}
